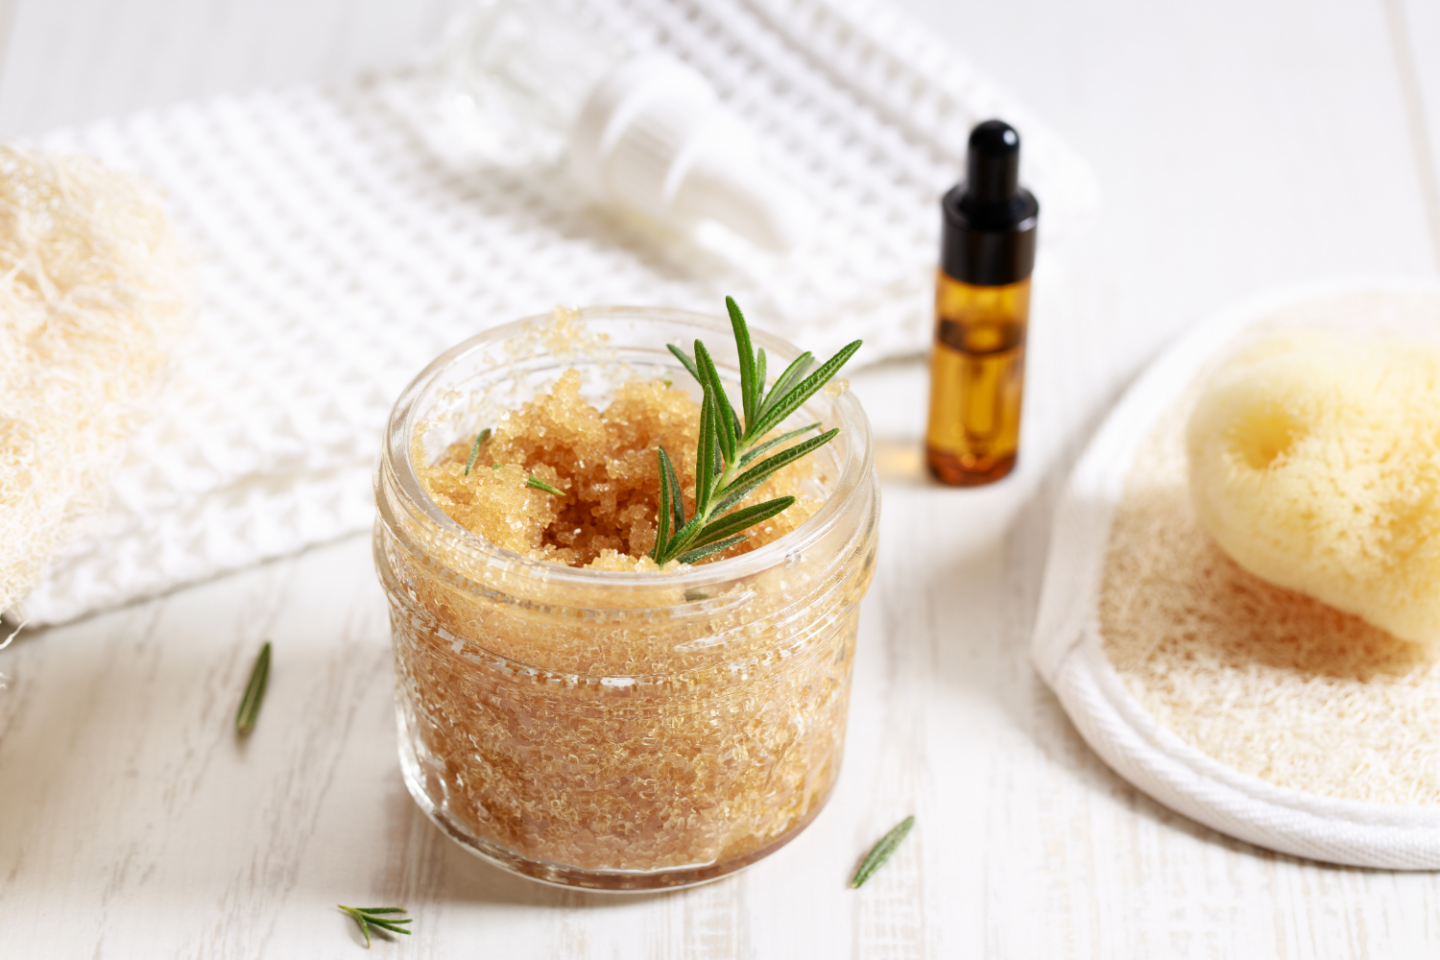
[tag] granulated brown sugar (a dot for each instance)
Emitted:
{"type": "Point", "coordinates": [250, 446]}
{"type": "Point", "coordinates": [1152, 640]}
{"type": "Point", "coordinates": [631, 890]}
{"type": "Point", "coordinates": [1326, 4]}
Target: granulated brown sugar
{"type": "Point", "coordinates": [1263, 679]}
{"type": "Point", "coordinates": [604, 463]}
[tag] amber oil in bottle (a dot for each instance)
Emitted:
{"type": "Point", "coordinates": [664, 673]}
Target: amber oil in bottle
{"type": "Point", "coordinates": [982, 308]}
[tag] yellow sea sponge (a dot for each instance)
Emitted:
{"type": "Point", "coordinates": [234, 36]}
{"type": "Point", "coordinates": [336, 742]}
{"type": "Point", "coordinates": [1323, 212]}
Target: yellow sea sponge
{"type": "Point", "coordinates": [1315, 463]}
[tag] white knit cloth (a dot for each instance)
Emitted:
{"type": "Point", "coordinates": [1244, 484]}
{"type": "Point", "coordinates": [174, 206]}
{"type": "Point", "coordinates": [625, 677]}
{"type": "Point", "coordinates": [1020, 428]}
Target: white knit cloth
{"type": "Point", "coordinates": [1068, 647]}
{"type": "Point", "coordinates": [343, 246]}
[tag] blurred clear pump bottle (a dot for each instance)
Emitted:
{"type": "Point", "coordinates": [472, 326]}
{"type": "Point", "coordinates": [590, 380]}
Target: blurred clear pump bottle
{"type": "Point", "coordinates": [982, 310]}
{"type": "Point", "coordinates": [642, 131]}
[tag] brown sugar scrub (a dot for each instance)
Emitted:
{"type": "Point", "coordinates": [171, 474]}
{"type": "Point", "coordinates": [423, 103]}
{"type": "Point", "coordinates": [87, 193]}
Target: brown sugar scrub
{"type": "Point", "coordinates": [604, 464]}
{"type": "Point", "coordinates": [567, 709]}
{"type": "Point", "coordinates": [1266, 680]}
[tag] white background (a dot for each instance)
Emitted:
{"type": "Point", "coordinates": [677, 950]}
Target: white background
{"type": "Point", "coordinates": [1239, 143]}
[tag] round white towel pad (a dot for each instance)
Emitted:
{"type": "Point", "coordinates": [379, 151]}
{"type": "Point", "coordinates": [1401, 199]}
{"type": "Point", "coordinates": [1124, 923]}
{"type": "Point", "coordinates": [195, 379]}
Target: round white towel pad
{"type": "Point", "coordinates": [1068, 651]}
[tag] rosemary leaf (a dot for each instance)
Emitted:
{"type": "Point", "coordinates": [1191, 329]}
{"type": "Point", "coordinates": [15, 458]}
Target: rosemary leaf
{"type": "Point", "coordinates": [684, 358]}
{"type": "Point", "coordinates": [772, 444]}
{"type": "Point", "coordinates": [747, 358]}
{"type": "Point", "coordinates": [788, 378]}
{"type": "Point", "coordinates": [704, 454]}
{"type": "Point", "coordinates": [700, 553]}
{"type": "Point", "coordinates": [725, 420]}
{"type": "Point", "coordinates": [803, 390]}
{"type": "Point", "coordinates": [667, 512]}
{"type": "Point", "coordinates": [881, 851]}
{"type": "Point", "coordinates": [535, 483]}
{"type": "Point", "coordinates": [367, 917]}
{"type": "Point", "coordinates": [676, 493]}
{"type": "Point", "coordinates": [254, 692]}
{"type": "Point", "coordinates": [789, 455]}
{"type": "Point", "coordinates": [735, 493]}
{"type": "Point", "coordinates": [733, 522]}
{"type": "Point", "coordinates": [480, 439]}
{"type": "Point", "coordinates": [717, 461]}
{"type": "Point", "coordinates": [683, 538]}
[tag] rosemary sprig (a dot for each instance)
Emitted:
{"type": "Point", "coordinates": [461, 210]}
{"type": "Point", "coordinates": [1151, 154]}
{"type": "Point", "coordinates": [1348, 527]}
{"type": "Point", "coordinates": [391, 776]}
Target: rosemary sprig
{"type": "Point", "coordinates": [881, 851]}
{"type": "Point", "coordinates": [530, 481]}
{"type": "Point", "coordinates": [535, 483]}
{"type": "Point", "coordinates": [726, 470]}
{"type": "Point", "coordinates": [254, 692]}
{"type": "Point", "coordinates": [480, 439]}
{"type": "Point", "coordinates": [368, 917]}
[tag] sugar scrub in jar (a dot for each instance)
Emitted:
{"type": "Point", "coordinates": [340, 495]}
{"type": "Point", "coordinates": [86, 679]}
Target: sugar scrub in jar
{"type": "Point", "coordinates": [568, 709]}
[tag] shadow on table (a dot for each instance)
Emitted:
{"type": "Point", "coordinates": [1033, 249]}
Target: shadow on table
{"type": "Point", "coordinates": [962, 568]}
{"type": "Point", "coordinates": [430, 866]}
{"type": "Point", "coordinates": [468, 878]}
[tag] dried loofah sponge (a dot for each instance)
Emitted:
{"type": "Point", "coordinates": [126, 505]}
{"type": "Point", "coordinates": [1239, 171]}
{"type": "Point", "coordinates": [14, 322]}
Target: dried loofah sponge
{"type": "Point", "coordinates": [1314, 462]}
{"type": "Point", "coordinates": [94, 293]}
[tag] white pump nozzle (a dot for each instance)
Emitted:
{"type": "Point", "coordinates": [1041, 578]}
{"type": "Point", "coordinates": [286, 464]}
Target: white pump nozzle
{"type": "Point", "coordinates": [654, 136]}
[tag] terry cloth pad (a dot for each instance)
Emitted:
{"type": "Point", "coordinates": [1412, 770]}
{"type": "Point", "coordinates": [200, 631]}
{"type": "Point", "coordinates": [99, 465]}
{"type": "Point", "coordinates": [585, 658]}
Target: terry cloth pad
{"type": "Point", "coordinates": [341, 251]}
{"type": "Point", "coordinates": [1257, 711]}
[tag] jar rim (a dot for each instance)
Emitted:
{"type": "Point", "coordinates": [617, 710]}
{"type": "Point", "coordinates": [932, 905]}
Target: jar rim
{"type": "Point", "coordinates": [856, 467]}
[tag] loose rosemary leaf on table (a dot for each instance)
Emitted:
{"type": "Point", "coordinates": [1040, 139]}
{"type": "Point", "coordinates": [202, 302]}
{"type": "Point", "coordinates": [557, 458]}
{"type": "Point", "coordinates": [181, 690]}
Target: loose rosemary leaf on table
{"type": "Point", "coordinates": [254, 692]}
{"type": "Point", "coordinates": [379, 917]}
{"type": "Point", "coordinates": [731, 443]}
{"type": "Point", "coordinates": [881, 851]}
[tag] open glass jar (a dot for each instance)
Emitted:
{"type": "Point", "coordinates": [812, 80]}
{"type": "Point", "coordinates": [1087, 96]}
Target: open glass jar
{"type": "Point", "coordinates": [617, 730]}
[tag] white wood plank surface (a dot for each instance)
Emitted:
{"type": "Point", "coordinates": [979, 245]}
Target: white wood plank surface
{"type": "Point", "coordinates": [1239, 144]}
{"type": "Point", "coordinates": [1415, 32]}
{"type": "Point", "coordinates": [69, 61]}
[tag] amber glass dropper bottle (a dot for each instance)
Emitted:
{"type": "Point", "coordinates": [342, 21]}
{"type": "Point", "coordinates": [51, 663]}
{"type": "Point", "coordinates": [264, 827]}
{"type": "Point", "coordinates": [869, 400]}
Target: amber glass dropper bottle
{"type": "Point", "coordinates": [982, 307]}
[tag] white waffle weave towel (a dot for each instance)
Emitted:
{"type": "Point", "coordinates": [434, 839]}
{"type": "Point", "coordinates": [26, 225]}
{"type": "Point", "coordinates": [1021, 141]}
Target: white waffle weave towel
{"type": "Point", "coordinates": [342, 247]}
{"type": "Point", "coordinates": [1068, 649]}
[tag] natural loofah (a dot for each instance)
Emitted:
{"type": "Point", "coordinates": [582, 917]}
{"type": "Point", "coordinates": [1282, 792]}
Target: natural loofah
{"type": "Point", "coordinates": [1253, 709]}
{"type": "Point", "coordinates": [1266, 680]}
{"type": "Point", "coordinates": [94, 292]}
{"type": "Point", "coordinates": [1315, 463]}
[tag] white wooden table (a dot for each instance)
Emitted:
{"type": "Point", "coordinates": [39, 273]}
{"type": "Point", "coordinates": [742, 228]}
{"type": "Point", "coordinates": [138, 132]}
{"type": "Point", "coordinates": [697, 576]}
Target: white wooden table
{"type": "Point", "coordinates": [1240, 143]}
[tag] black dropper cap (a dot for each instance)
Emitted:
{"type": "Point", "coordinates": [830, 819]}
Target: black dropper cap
{"type": "Point", "coordinates": [989, 237]}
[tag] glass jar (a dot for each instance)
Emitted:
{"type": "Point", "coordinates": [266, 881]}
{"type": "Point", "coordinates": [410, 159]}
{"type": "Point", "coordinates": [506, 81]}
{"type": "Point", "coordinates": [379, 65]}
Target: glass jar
{"type": "Point", "coordinates": [617, 730]}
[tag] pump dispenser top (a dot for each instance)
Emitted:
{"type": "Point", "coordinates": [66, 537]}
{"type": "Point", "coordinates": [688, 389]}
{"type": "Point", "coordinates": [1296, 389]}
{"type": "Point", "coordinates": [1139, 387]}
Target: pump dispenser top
{"type": "Point", "coordinates": [643, 131]}
{"type": "Point", "coordinates": [989, 234]}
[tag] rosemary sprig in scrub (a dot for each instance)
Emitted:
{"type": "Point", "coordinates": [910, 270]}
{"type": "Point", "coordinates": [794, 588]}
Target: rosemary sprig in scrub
{"type": "Point", "coordinates": [533, 482]}
{"type": "Point", "coordinates": [480, 439]}
{"type": "Point", "coordinates": [726, 470]}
